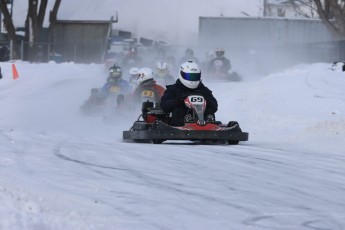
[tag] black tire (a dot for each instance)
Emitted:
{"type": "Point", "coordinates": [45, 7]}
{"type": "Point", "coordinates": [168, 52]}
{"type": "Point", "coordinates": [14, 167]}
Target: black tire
{"type": "Point", "coordinates": [233, 142]}
{"type": "Point", "coordinates": [235, 125]}
{"type": "Point", "coordinates": [141, 141]}
{"type": "Point", "coordinates": [155, 141]}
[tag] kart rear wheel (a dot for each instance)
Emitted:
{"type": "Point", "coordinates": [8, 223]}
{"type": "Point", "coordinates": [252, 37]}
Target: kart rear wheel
{"type": "Point", "coordinates": [155, 141]}
{"type": "Point", "coordinates": [233, 142]}
{"type": "Point", "coordinates": [141, 141]}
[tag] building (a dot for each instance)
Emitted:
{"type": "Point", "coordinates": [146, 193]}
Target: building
{"type": "Point", "coordinates": [81, 41]}
{"type": "Point", "coordinates": [274, 41]}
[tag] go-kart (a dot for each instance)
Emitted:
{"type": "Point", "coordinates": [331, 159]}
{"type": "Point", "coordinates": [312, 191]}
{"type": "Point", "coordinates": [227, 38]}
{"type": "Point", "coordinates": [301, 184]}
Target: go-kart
{"type": "Point", "coordinates": [153, 125]}
{"type": "Point", "coordinates": [99, 103]}
{"type": "Point", "coordinates": [215, 73]}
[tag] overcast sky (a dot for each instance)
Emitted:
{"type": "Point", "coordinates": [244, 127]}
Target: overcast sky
{"type": "Point", "coordinates": [175, 21]}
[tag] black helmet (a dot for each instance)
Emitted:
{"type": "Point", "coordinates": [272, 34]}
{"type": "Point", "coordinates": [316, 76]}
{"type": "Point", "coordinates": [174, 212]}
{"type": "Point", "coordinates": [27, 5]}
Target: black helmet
{"type": "Point", "coordinates": [220, 52]}
{"type": "Point", "coordinates": [189, 52]}
{"type": "Point", "coordinates": [115, 72]}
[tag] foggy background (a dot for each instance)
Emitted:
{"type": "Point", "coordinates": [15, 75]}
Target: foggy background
{"type": "Point", "coordinates": [173, 20]}
{"type": "Point", "coordinates": [252, 48]}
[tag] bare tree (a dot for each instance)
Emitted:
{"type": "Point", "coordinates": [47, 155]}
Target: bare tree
{"type": "Point", "coordinates": [332, 12]}
{"type": "Point", "coordinates": [34, 21]}
{"type": "Point", "coordinates": [304, 8]}
{"type": "Point", "coordinates": [11, 32]}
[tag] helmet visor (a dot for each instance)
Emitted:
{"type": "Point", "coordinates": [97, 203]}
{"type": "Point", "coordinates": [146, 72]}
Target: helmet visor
{"type": "Point", "coordinates": [190, 76]}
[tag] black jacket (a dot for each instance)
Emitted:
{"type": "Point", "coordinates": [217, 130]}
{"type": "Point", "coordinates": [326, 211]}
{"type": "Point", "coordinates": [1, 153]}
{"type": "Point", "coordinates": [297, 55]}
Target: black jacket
{"type": "Point", "coordinates": [168, 101]}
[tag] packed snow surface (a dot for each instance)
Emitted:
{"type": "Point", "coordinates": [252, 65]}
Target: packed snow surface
{"type": "Point", "coordinates": [62, 170]}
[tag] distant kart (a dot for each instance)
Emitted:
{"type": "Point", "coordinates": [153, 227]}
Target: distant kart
{"type": "Point", "coordinates": [98, 104]}
{"type": "Point", "coordinates": [216, 73]}
{"type": "Point", "coordinates": [154, 126]}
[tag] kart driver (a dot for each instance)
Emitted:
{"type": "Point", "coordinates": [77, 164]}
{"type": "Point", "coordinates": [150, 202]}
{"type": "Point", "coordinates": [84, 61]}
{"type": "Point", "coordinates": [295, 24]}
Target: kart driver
{"type": "Point", "coordinates": [147, 88]}
{"type": "Point", "coordinates": [189, 83]}
{"type": "Point", "coordinates": [115, 83]}
{"type": "Point", "coordinates": [163, 77]}
{"type": "Point", "coordinates": [219, 64]}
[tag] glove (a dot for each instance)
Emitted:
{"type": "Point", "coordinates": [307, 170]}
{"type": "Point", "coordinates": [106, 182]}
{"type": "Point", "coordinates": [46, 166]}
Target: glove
{"type": "Point", "coordinates": [210, 118]}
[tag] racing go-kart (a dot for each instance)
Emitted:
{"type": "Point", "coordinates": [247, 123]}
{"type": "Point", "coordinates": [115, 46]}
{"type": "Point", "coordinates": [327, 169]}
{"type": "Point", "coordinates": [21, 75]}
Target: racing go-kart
{"type": "Point", "coordinates": [98, 103]}
{"type": "Point", "coordinates": [216, 74]}
{"type": "Point", "coordinates": [153, 126]}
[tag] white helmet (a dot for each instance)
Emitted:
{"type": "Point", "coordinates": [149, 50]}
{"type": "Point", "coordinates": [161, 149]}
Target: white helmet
{"type": "Point", "coordinates": [144, 74]}
{"type": "Point", "coordinates": [162, 68]}
{"type": "Point", "coordinates": [190, 74]}
{"type": "Point", "coordinates": [133, 71]}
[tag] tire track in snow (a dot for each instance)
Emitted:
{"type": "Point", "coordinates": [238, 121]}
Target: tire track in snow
{"type": "Point", "coordinates": [153, 179]}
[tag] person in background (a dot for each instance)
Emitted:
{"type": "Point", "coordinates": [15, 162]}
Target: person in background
{"type": "Point", "coordinates": [219, 64]}
{"type": "Point", "coordinates": [132, 59]}
{"type": "Point", "coordinates": [189, 83]}
{"type": "Point", "coordinates": [114, 86]}
{"type": "Point", "coordinates": [133, 77]}
{"type": "Point", "coordinates": [162, 76]}
{"type": "Point", "coordinates": [189, 56]}
{"type": "Point", "coordinates": [107, 95]}
{"type": "Point", "coordinates": [147, 88]}
{"type": "Point", "coordinates": [115, 83]}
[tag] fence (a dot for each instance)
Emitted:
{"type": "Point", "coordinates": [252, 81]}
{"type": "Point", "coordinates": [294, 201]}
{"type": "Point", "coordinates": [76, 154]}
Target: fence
{"type": "Point", "coordinates": [64, 52]}
{"type": "Point", "coordinates": [59, 52]}
{"type": "Point", "coordinates": [94, 52]}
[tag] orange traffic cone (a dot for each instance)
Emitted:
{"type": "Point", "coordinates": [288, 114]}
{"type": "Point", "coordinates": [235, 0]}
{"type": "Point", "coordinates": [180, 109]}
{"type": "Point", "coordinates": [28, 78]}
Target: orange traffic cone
{"type": "Point", "coordinates": [14, 72]}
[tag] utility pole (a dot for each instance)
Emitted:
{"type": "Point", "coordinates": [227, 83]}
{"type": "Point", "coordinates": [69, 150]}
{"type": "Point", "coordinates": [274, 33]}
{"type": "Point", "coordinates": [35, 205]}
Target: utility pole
{"type": "Point", "coordinates": [265, 8]}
